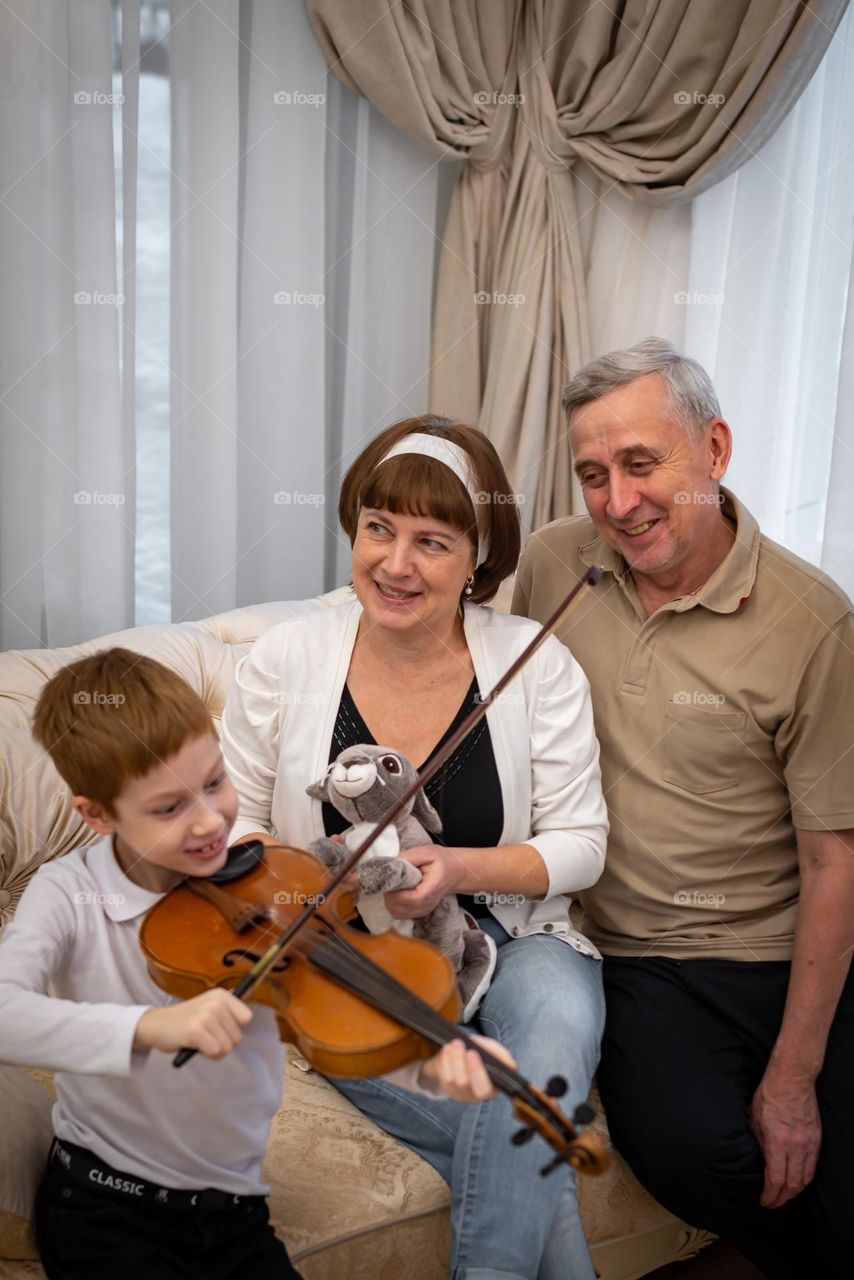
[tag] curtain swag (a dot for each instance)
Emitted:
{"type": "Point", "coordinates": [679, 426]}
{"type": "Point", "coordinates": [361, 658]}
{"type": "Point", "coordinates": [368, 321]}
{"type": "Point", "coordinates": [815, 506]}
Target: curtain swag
{"type": "Point", "coordinates": [659, 98]}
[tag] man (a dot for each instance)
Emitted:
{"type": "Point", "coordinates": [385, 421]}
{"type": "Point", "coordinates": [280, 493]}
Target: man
{"type": "Point", "coordinates": [722, 673]}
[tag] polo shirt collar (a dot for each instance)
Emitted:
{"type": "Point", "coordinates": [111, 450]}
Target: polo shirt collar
{"type": "Point", "coordinates": [121, 898]}
{"type": "Point", "coordinates": [730, 584]}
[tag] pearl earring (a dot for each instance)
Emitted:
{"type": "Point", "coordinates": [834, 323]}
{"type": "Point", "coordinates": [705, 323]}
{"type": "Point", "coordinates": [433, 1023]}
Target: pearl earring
{"type": "Point", "coordinates": [469, 584]}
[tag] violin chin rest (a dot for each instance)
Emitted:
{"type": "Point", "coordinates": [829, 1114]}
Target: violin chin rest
{"type": "Point", "coordinates": [241, 859]}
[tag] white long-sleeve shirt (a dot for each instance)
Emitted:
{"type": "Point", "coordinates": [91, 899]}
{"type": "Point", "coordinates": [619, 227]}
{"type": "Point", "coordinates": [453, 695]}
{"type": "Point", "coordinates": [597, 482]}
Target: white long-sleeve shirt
{"type": "Point", "coordinates": [204, 1125]}
{"type": "Point", "coordinates": [281, 710]}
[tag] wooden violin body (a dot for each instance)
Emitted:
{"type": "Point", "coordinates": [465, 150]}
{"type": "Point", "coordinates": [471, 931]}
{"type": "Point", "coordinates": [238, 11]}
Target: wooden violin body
{"type": "Point", "coordinates": [194, 939]}
{"type": "Point", "coordinates": [355, 1004]}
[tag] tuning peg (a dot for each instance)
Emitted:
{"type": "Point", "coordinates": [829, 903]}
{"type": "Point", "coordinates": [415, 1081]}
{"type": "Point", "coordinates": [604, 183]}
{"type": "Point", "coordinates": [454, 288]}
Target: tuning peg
{"type": "Point", "coordinates": [551, 1166]}
{"type": "Point", "coordinates": [556, 1087]}
{"type": "Point", "coordinates": [522, 1136]}
{"type": "Point", "coordinates": [584, 1113]}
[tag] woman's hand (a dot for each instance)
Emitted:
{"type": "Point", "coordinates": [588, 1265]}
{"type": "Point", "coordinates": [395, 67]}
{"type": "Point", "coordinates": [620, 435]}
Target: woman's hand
{"type": "Point", "coordinates": [442, 872]}
{"type": "Point", "coordinates": [459, 1072]}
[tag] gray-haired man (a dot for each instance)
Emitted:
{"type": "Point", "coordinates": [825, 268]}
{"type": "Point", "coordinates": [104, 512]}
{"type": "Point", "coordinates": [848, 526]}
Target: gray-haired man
{"type": "Point", "coordinates": [722, 672]}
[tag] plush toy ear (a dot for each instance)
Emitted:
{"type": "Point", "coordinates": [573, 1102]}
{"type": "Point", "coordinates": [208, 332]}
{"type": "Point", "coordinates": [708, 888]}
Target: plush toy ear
{"type": "Point", "coordinates": [423, 810]}
{"type": "Point", "coordinates": [319, 790]}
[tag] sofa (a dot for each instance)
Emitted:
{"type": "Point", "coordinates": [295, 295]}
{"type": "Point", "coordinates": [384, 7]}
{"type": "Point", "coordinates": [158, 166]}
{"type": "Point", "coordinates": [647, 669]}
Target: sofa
{"type": "Point", "coordinates": [348, 1200]}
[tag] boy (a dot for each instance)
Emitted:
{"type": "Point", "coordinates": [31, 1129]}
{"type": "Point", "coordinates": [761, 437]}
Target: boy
{"type": "Point", "coordinates": [154, 1171]}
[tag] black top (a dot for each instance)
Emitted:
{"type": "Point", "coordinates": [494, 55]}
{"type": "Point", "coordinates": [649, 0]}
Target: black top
{"type": "Point", "coordinates": [466, 792]}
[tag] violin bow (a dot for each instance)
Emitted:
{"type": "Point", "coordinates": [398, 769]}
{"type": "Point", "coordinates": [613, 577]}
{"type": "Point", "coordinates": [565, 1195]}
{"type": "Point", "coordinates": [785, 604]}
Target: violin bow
{"type": "Point", "coordinates": [263, 966]}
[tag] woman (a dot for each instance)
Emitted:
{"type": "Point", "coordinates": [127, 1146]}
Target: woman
{"type": "Point", "coordinates": [434, 531]}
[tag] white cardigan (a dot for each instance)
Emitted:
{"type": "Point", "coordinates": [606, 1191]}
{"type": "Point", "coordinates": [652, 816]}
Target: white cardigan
{"type": "Point", "coordinates": [281, 709]}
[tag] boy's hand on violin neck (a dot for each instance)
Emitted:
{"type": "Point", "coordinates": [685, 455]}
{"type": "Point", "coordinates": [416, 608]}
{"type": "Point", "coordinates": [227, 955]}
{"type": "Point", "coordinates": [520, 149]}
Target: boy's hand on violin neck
{"type": "Point", "coordinates": [209, 1023]}
{"type": "Point", "coordinates": [459, 1072]}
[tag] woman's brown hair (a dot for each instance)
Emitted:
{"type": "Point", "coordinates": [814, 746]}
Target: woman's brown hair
{"type": "Point", "coordinates": [413, 484]}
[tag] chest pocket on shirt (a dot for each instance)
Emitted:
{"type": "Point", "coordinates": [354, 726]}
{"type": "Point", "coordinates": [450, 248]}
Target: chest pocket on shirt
{"type": "Point", "coordinates": [703, 750]}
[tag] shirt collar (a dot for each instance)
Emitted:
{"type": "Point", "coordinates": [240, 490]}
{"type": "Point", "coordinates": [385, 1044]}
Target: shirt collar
{"type": "Point", "coordinates": [730, 584]}
{"type": "Point", "coordinates": [120, 898]}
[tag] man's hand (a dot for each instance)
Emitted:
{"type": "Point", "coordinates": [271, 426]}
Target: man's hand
{"type": "Point", "coordinates": [785, 1121]}
{"type": "Point", "coordinates": [209, 1023]}
{"type": "Point", "coordinates": [442, 872]}
{"type": "Point", "coordinates": [459, 1072]}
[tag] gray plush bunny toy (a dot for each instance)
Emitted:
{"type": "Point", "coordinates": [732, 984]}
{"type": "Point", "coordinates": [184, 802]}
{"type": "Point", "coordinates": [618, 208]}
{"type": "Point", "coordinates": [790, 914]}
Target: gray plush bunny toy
{"type": "Point", "coordinates": [362, 784]}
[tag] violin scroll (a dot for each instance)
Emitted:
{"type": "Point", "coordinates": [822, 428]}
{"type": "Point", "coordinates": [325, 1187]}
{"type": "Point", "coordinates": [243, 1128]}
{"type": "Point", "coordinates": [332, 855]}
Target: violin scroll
{"type": "Point", "coordinates": [587, 1152]}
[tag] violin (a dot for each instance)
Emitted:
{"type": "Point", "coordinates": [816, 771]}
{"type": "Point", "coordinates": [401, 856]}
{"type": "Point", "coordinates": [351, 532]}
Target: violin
{"type": "Point", "coordinates": [355, 1004]}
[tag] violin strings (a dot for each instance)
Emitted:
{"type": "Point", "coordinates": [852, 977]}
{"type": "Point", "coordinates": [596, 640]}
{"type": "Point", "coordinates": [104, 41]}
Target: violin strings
{"type": "Point", "coordinates": [345, 963]}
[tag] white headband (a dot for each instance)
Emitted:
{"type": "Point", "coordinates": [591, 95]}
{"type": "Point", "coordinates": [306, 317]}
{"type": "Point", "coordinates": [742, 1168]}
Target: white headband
{"type": "Point", "coordinates": [452, 456]}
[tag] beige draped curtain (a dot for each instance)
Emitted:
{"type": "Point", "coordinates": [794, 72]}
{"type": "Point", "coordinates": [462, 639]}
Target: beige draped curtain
{"type": "Point", "coordinates": [660, 98]}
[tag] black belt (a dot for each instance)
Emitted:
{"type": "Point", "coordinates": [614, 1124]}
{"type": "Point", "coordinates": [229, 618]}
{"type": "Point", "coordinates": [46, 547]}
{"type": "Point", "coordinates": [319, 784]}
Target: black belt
{"type": "Point", "coordinates": [77, 1165]}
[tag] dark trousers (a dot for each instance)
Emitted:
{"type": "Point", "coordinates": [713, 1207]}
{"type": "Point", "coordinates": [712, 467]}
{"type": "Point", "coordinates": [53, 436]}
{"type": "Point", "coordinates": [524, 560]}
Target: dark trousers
{"type": "Point", "coordinates": [86, 1233]}
{"type": "Point", "coordinates": [686, 1045]}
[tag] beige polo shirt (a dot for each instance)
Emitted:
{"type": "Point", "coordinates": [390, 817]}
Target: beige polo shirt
{"type": "Point", "coordinates": [726, 720]}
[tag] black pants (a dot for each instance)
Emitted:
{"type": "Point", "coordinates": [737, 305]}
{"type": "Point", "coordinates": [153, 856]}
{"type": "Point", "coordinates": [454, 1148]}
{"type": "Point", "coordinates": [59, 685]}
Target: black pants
{"type": "Point", "coordinates": [686, 1045]}
{"type": "Point", "coordinates": [91, 1234]}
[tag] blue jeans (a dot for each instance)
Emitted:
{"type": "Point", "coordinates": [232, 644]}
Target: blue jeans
{"type": "Point", "coordinates": [547, 1007]}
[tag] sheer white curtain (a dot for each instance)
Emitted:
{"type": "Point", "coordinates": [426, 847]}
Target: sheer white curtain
{"type": "Point", "coordinates": [776, 240]}
{"type": "Point", "coordinates": [303, 251]}
{"type": "Point", "coordinates": [66, 435]}
{"type": "Point", "coordinates": [753, 278]}
{"type": "Point", "coordinates": [315, 194]}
